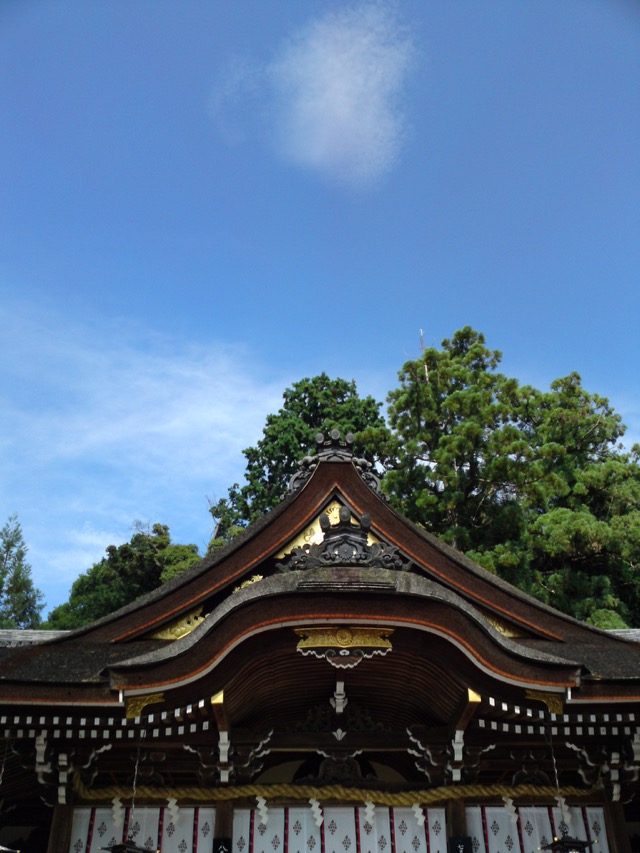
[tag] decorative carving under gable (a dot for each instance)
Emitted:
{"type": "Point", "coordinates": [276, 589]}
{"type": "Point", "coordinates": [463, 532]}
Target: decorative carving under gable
{"type": "Point", "coordinates": [181, 628]}
{"type": "Point", "coordinates": [147, 764]}
{"type": "Point", "coordinates": [365, 469]}
{"type": "Point", "coordinates": [614, 769]}
{"type": "Point", "coordinates": [334, 449]}
{"type": "Point", "coordinates": [531, 763]}
{"type": "Point", "coordinates": [444, 763]}
{"type": "Point", "coordinates": [55, 765]}
{"type": "Point", "coordinates": [340, 770]}
{"type": "Point", "coordinates": [344, 544]}
{"type": "Point", "coordinates": [250, 582]}
{"type": "Point", "coordinates": [321, 718]}
{"type": "Point", "coordinates": [136, 704]}
{"type": "Point", "coordinates": [430, 760]}
{"type": "Point", "coordinates": [218, 764]}
{"type": "Point", "coordinates": [553, 701]}
{"type": "Point", "coordinates": [344, 647]}
{"type": "Point", "coordinates": [502, 628]}
{"type": "Point", "coordinates": [314, 535]}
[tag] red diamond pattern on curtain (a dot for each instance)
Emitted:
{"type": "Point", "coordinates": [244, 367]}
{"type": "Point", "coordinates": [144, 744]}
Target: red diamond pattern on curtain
{"type": "Point", "coordinates": [343, 830]}
{"type": "Point", "coordinates": [185, 831]}
{"type": "Point", "coordinates": [492, 830]}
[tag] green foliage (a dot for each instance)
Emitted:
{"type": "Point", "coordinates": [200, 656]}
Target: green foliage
{"type": "Point", "coordinates": [457, 452]}
{"type": "Point", "coordinates": [606, 620]}
{"type": "Point", "coordinates": [310, 406]}
{"type": "Point", "coordinates": [176, 559]}
{"type": "Point", "coordinates": [127, 572]}
{"type": "Point", "coordinates": [20, 601]}
{"type": "Point", "coordinates": [227, 514]}
{"type": "Point", "coordinates": [533, 485]}
{"type": "Point", "coordinates": [223, 534]}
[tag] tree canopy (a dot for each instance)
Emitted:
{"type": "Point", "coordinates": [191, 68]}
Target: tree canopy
{"type": "Point", "coordinates": [127, 572]}
{"type": "Point", "coordinates": [533, 485]}
{"type": "Point", "coordinates": [20, 601]}
{"type": "Point", "coordinates": [314, 405]}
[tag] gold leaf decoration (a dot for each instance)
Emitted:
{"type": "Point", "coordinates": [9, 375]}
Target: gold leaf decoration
{"type": "Point", "coordinates": [342, 637]}
{"type": "Point", "coordinates": [181, 628]}
{"type": "Point", "coordinates": [342, 647]}
{"type": "Point", "coordinates": [503, 628]}
{"type": "Point", "coordinates": [553, 701]}
{"type": "Point", "coordinates": [249, 582]}
{"type": "Point", "coordinates": [314, 535]}
{"type": "Point", "coordinates": [135, 704]}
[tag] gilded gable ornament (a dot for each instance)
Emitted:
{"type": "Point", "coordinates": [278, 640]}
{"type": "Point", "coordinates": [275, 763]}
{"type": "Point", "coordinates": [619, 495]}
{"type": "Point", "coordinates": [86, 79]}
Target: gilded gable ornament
{"type": "Point", "coordinates": [253, 579]}
{"type": "Point", "coordinates": [553, 701]}
{"type": "Point", "coordinates": [314, 535]}
{"type": "Point", "coordinates": [344, 544]}
{"type": "Point", "coordinates": [136, 704]}
{"type": "Point", "coordinates": [344, 647]}
{"type": "Point", "coordinates": [503, 628]}
{"type": "Point", "coordinates": [181, 628]}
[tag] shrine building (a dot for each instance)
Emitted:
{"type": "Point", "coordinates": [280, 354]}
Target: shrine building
{"type": "Point", "coordinates": [334, 680]}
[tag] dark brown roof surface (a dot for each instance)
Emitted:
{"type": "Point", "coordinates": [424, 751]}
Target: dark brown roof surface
{"type": "Point", "coordinates": [439, 574]}
{"type": "Point", "coordinates": [66, 663]}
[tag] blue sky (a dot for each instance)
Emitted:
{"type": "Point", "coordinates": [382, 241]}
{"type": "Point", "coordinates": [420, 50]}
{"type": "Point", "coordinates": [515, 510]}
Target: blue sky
{"type": "Point", "coordinates": [202, 202]}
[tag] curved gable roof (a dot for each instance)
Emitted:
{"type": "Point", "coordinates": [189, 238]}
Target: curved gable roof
{"type": "Point", "coordinates": [433, 588]}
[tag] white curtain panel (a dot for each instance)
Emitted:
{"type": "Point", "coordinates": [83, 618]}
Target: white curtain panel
{"type": "Point", "coordinates": [423, 831]}
{"type": "Point", "coordinates": [492, 829]}
{"type": "Point", "coordinates": [303, 835]}
{"type": "Point", "coordinates": [343, 830]}
{"type": "Point", "coordinates": [185, 831]}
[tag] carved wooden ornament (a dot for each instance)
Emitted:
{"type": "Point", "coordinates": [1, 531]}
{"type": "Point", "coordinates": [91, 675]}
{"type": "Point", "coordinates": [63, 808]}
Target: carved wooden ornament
{"type": "Point", "coordinates": [344, 647]}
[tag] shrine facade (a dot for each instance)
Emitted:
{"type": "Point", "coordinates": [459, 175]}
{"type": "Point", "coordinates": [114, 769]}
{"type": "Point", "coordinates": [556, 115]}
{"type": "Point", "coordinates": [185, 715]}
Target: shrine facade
{"type": "Point", "coordinates": [334, 680]}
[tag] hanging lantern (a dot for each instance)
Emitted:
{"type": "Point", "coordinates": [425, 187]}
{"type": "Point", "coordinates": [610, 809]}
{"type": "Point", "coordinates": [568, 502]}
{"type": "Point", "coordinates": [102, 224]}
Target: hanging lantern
{"type": "Point", "coordinates": [567, 844]}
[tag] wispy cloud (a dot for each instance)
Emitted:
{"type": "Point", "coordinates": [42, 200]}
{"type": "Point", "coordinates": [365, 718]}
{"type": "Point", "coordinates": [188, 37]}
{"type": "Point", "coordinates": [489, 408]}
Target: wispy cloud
{"type": "Point", "coordinates": [330, 99]}
{"type": "Point", "coordinates": [102, 427]}
{"type": "Point", "coordinates": [338, 85]}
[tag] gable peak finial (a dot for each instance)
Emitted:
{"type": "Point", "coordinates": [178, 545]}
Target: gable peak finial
{"type": "Point", "coordinates": [333, 448]}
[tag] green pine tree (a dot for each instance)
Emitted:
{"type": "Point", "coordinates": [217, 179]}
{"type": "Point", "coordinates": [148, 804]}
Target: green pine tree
{"type": "Point", "coordinates": [20, 601]}
{"type": "Point", "coordinates": [310, 406]}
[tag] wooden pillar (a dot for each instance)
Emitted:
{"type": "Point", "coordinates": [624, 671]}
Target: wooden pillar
{"type": "Point", "coordinates": [60, 834]}
{"type": "Point", "coordinates": [616, 828]}
{"type": "Point", "coordinates": [456, 819]}
{"type": "Point", "coordinates": [223, 835]}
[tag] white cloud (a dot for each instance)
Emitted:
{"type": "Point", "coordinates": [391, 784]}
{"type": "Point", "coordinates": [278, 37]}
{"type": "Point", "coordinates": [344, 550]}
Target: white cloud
{"type": "Point", "coordinates": [331, 98]}
{"type": "Point", "coordinates": [104, 426]}
{"type": "Point", "coordinates": [339, 83]}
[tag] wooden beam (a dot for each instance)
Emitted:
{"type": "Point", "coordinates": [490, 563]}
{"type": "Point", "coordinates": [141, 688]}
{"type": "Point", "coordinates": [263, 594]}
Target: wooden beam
{"type": "Point", "coordinates": [220, 712]}
{"type": "Point", "coordinates": [464, 712]}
